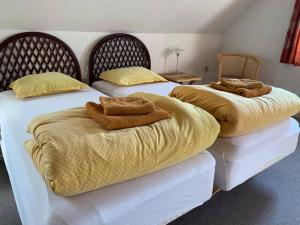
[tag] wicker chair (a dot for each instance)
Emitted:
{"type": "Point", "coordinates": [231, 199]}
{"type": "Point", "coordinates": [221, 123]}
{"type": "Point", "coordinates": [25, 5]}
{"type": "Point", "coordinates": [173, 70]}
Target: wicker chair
{"type": "Point", "coordinates": [238, 66]}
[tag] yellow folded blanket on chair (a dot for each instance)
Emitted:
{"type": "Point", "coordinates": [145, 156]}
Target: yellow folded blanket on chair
{"type": "Point", "coordinates": [74, 154]}
{"type": "Point", "coordinates": [238, 115]}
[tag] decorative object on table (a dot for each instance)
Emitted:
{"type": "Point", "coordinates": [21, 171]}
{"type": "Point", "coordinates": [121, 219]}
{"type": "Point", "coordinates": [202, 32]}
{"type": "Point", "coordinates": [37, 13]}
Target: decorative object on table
{"type": "Point", "coordinates": [177, 51]}
{"type": "Point", "coordinates": [181, 78]}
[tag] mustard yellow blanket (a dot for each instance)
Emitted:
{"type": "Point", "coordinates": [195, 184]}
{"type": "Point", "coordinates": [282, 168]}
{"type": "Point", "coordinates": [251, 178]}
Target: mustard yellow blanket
{"type": "Point", "coordinates": [74, 154]}
{"type": "Point", "coordinates": [238, 115]}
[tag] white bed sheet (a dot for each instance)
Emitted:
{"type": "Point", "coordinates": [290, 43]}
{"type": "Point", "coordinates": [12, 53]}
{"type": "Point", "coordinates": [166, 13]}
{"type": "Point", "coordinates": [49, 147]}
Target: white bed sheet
{"type": "Point", "coordinates": [240, 158]}
{"type": "Point", "coordinates": [160, 88]}
{"type": "Point", "coordinates": [147, 200]}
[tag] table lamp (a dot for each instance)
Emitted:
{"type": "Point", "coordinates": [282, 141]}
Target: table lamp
{"type": "Point", "coordinates": [177, 51]}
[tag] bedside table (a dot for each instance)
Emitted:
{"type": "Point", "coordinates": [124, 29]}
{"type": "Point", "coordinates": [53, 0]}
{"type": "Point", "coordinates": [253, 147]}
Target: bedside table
{"type": "Point", "coordinates": [181, 78]}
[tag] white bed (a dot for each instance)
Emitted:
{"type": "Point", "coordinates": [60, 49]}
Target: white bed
{"type": "Point", "coordinates": [156, 198]}
{"type": "Point", "coordinates": [110, 89]}
{"type": "Point", "coordinates": [237, 159]}
{"type": "Point", "coordinates": [240, 158]}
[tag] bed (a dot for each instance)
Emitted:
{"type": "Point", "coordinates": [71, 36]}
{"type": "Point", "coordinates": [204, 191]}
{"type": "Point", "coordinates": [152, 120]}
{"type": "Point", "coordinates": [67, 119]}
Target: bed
{"type": "Point", "coordinates": [255, 132]}
{"type": "Point", "coordinates": [118, 51]}
{"type": "Point", "coordinates": [238, 158]}
{"type": "Point", "coordinates": [157, 198]}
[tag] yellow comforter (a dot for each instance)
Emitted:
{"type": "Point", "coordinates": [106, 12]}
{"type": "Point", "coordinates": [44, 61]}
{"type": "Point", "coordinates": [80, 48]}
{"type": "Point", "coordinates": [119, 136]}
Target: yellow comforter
{"type": "Point", "coordinates": [74, 154]}
{"type": "Point", "coordinates": [238, 115]}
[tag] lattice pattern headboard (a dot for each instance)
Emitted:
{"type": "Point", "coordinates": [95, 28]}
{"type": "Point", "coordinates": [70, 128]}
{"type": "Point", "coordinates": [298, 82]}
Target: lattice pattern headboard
{"type": "Point", "coordinates": [117, 51]}
{"type": "Point", "coordinates": [33, 53]}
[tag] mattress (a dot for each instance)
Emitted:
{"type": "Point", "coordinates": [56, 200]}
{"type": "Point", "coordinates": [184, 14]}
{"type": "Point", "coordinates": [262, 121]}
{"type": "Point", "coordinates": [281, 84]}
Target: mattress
{"type": "Point", "coordinates": [161, 88]}
{"type": "Point", "coordinates": [240, 158]}
{"type": "Point", "coordinates": [157, 198]}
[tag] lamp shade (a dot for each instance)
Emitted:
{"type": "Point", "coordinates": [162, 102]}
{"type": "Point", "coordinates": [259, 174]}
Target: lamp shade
{"type": "Point", "coordinates": [178, 50]}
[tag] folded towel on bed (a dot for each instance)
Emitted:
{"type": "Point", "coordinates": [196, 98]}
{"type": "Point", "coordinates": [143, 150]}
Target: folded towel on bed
{"type": "Point", "coordinates": [126, 106]}
{"type": "Point", "coordinates": [245, 92]}
{"type": "Point", "coordinates": [241, 83]}
{"type": "Point", "coordinates": [108, 122]}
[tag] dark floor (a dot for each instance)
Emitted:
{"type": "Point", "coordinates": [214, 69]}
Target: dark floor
{"type": "Point", "coordinates": [8, 210]}
{"type": "Point", "coordinates": [270, 198]}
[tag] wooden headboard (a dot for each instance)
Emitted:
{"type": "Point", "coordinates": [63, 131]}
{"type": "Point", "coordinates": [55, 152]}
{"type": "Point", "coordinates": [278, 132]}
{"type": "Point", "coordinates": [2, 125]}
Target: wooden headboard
{"type": "Point", "coordinates": [117, 51]}
{"type": "Point", "coordinates": [33, 53]}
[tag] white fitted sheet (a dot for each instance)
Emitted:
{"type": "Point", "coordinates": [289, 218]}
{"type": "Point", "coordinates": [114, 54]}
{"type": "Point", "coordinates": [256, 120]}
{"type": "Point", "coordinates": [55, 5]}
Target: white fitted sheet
{"type": "Point", "coordinates": [242, 157]}
{"type": "Point", "coordinates": [157, 197]}
{"type": "Point", "coordinates": [160, 88]}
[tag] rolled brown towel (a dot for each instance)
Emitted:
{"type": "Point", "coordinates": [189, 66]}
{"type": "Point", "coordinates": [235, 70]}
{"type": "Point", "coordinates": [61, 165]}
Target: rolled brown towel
{"type": "Point", "coordinates": [95, 111]}
{"type": "Point", "coordinates": [241, 83]}
{"type": "Point", "coordinates": [251, 93]}
{"type": "Point", "coordinates": [126, 106]}
{"type": "Point", "coordinates": [248, 93]}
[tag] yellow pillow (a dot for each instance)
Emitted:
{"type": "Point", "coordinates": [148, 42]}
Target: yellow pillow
{"type": "Point", "coordinates": [131, 76]}
{"type": "Point", "coordinates": [45, 84]}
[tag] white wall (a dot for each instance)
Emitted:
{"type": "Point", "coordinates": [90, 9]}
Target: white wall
{"type": "Point", "coordinates": [261, 30]}
{"type": "Point", "coordinates": [139, 16]}
{"type": "Point", "coordinates": [200, 49]}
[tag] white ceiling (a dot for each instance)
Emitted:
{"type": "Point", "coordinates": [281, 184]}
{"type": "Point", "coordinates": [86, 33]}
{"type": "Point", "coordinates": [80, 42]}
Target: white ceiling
{"type": "Point", "coordinates": [145, 16]}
